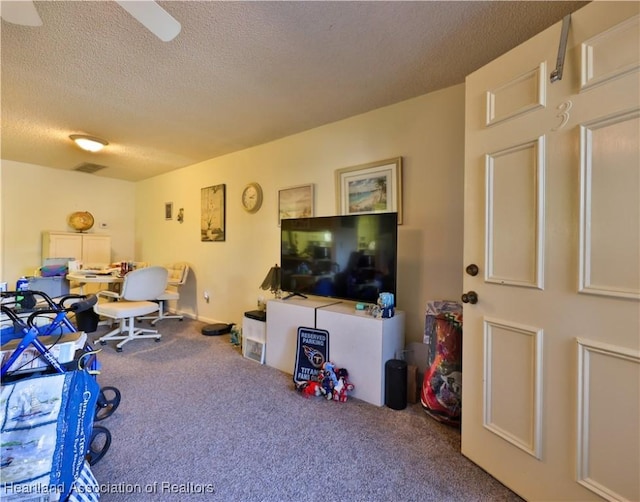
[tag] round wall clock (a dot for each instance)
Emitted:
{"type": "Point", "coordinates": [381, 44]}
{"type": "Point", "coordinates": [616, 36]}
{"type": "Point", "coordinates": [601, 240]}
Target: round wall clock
{"type": "Point", "coordinates": [252, 197]}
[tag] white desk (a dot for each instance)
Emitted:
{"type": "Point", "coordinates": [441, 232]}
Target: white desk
{"type": "Point", "coordinates": [83, 279]}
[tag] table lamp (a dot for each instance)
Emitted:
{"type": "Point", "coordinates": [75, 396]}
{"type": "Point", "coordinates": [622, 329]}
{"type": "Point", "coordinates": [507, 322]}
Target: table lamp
{"type": "Point", "coordinates": [272, 281]}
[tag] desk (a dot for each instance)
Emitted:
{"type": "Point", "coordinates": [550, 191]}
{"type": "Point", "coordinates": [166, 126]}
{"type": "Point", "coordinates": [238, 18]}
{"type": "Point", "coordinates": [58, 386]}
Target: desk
{"type": "Point", "coordinates": [83, 279]}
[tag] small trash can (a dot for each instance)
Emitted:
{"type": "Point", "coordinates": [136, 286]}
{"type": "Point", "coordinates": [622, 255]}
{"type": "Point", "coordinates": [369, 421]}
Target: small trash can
{"type": "Point", "coordinates": [395, 384]}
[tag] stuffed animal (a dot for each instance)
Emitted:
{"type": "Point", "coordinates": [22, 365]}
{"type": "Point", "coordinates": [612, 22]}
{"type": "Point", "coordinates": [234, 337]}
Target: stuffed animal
{"type": "Point", "coordinates": [385, 302]}
{"type": "Point", "coordinates": [332, 384]}
{"type": "Point", "coordinates": [328, 379]}
{"type": "Point", "coordinates": [343, 386]}
{"type": "Point", "coordinates": [330, 369]}
{"type": "Point", "coordinates": [236, 336]}
{"type": "Point", "coordinates": [309, 388]}
{"type": "Point", "coordinates": [326, 384]}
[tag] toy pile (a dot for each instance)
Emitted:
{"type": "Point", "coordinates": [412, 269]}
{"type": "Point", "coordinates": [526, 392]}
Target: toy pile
{"type": "Point", "coordinates": [332, 383]}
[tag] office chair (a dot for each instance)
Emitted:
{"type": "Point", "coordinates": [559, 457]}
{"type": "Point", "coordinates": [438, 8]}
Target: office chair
{"type": "Point", "coordinates": [136, 298]}
{"type": "Point", "coordinates": [178, 273]}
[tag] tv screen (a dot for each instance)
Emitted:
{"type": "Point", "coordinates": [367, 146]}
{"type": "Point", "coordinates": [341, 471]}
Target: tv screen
{"type": "Point", "coordinates": [350, 257]}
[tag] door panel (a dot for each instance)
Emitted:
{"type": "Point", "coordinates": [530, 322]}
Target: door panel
{"type": "Point", "coordinates": [515, 217]}
{"type": "Point", "coordinates": [513, 377]}
{"type": "Point", "coordinates": [610, 189]}
{"type": "Point", "coordinates": [614, 480]}
{"type": "Point", "coordinates": [552, 208]}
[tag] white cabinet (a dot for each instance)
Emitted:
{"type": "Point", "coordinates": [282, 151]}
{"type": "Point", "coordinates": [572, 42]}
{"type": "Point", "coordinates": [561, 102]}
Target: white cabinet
{"type": "Point", "coordinates": [254, 339]}
{"type": "Point", "coordinates": [362, 344]}
{"type": "Point", "coordinates": [284, 317]}
{"type": "Point", "coordinates": [358, 342]}
{"type": "Point", "coordinates": [90, 249]}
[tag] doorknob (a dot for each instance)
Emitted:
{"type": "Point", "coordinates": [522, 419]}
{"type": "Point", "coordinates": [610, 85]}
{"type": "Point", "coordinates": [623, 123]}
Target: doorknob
{"type": "Point", "coordinates": [472, 269]}
{"type": "Point", "coordinates": [470, 297]}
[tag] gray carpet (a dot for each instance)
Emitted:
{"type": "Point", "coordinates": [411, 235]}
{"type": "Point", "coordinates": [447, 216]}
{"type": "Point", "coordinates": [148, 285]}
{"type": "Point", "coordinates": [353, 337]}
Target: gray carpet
{"type": "Point", "coordinates": [200, 422]}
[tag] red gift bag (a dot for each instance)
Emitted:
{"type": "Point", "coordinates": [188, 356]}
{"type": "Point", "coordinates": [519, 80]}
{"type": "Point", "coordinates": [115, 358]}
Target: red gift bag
{"type": "Point", "coordinates": [441, 395]}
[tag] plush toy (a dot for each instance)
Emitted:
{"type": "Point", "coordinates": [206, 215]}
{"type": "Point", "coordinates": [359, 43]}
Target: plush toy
{"type": "Point", "coordinates": [309, 388]}
{"type": "Point", "coordinates": [326, 384]}
{"type": "Point", "coordinates": [332, 384]}
{"type": "Point", "coordinates": [330, 369]}
{"type": "Point", "coordinates": [328, 379]}
{"type": "Point", "coordinates": [343, 386]}
{"type": "Point", "coordinates": [385, 302]}
{"type": "Point", "coordinates": [236, 336]}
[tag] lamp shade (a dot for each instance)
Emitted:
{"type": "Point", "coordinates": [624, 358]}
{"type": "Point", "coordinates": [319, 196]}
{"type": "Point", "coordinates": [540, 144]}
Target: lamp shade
{"type": "Point", "coordinates": [272, 280]}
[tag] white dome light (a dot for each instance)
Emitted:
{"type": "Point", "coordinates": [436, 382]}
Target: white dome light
{"type": "Point", "coordinates": [89, 143]}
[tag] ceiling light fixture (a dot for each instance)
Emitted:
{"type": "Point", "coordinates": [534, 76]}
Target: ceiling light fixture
{"type": "Point", "coordinates": [89, 143]}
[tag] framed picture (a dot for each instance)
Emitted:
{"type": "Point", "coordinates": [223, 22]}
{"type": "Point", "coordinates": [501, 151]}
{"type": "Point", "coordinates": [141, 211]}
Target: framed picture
{"type": "Point", "coordinates": [370, 188]}
{"type": "Point", "coordinates": [253, 349]}
{"type": "Point", "coordinates": [212, 220]}
{"type": "Point", "coordinates": [295, 202]}
{"type": "Point", "coordinates": [168, 210]}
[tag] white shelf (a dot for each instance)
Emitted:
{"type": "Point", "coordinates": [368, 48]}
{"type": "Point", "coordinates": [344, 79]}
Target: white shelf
{"type": "Point", "coordinates": [254, 336]}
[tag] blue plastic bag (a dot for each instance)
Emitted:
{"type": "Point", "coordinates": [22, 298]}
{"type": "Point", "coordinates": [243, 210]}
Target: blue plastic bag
{"type": "Point", "coordinates": [46, 430]}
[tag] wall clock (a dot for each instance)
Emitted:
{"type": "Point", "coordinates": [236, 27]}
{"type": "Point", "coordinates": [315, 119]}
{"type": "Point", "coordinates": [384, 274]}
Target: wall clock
{"type": "Point", "coordinates": [252, 197]}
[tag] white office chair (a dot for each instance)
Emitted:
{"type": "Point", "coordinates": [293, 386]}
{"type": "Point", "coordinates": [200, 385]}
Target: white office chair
{"type": "Point", "coordinates": [178, 273]}
{"type": "Point", "coordinates": [139, 290]}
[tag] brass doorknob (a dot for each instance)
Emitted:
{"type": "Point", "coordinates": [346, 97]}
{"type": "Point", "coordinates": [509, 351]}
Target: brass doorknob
{"type": "Point", "coordinates": [472, 269]}
{"type": "Point", "coordinates": [470, 297]}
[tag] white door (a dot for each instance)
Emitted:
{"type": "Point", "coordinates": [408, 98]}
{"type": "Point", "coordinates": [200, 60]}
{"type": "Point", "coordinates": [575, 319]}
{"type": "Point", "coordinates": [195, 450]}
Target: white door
{"type": "Point", "coordinates": [551, 350]}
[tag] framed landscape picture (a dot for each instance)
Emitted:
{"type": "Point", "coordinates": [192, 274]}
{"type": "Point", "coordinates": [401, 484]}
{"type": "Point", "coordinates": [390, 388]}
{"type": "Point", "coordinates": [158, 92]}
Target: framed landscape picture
{"type": "Point", "coordinates": [212, 220]}
{"type": "Point", "coordinates": [295, 202]}
{"type": "Point", "coordinates": [370, 188]}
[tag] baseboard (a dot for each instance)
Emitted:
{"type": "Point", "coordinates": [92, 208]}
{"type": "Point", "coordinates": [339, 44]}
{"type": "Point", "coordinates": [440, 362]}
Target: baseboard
{"type": "Point", "coordinates": [207, 320]}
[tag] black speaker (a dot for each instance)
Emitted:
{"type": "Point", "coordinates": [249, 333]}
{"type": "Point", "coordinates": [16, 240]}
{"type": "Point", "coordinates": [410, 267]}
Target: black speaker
{"type": "Point", "coordinates": [395, 384]}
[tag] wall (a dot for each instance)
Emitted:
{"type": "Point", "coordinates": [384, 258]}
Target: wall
{"type": "Point", "coordinates": [36, 198]}
{"type": "Point", "coordinates": [428, 132]}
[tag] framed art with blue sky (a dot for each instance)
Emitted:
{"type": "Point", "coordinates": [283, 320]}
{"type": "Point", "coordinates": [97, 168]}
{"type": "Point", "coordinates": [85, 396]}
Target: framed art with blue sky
{"type": "Point", "coordinates": [370, 188]}
{"type": "Point", "coordinates": [295, 202]}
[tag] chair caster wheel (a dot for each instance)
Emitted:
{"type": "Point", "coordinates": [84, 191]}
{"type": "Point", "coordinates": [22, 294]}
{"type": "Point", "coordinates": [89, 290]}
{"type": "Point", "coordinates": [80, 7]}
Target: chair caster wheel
{"type": "Point", "coordinates": [157, 340]}
{"type": "Point", "coordinates": [180, 320]}
{"type": "Point", "coordinates": [102, 343]}
{"type": "Point", "coordinates": [118, 349]}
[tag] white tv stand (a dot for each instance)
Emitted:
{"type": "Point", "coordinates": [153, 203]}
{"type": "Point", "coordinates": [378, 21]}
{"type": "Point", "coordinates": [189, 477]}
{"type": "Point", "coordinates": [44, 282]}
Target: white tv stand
{"type": "Point", "coordinates": [358, 342]}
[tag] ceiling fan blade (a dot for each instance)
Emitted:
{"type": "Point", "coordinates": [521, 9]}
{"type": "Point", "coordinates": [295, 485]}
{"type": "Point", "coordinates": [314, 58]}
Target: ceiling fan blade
{"type": "Point", "coordinates": [21, 12]}
{"type": "Point", "coordinates": [157, 20]}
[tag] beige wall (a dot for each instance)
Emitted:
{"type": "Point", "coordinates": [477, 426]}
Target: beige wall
{"type": "Point", "coordinates": [428, 132]}
{"type": "Point", "coordinates": [36, 198]}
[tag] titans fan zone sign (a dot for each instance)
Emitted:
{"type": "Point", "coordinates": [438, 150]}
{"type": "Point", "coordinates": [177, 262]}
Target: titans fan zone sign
{"type": "Point", "coordinates": [311, 354]}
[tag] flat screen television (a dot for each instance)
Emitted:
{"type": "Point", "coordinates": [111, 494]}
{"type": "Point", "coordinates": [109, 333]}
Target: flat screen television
{"type": "Point", "coordinates": [352, 257]}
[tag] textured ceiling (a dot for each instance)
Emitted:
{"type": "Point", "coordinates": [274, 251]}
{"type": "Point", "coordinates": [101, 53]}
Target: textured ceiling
{"type": "Point", "coordinates": [239, 73]}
